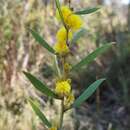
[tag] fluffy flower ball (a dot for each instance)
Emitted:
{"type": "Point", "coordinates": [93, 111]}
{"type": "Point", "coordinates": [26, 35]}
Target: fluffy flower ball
{"type": "Point", "coordinates": [61, 48]}
{"type": "Point", "coordinates": [61, 35]}
{"type": "Point", "coordinates": [65, 11]}
{"type": "Point", "coordinates": [73, 22]}
{"type": "Point", "coordinates": [63, 88]}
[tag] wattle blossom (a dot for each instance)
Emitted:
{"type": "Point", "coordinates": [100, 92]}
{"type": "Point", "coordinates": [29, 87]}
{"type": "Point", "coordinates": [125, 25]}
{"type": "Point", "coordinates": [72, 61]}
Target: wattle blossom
{"type": "Point", "coordinates": [73, 21]}
{"type": "Point", "coordinates": [61, 48]}
{"type": "Point", "coordinates": [63, 88]}
{"type": "Point", "coordinates": [61, 35]}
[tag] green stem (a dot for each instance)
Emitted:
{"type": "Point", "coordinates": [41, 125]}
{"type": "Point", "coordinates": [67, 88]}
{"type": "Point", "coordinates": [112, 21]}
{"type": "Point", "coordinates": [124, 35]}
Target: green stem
{"type": "Point", "coordinates": [98, 100]}
{"type": "Point", "coordinates": [60, 13]}
{"type": "Point", "coordinates": [61, 115]}
{"type": "Point", "coordinates": [57, 66]}
{"type": "Point", "coordinates": [67, 38]}
{"type": "Point", "coordinates": [69, 1]}
{"type": "Point", "coordinates": [63, 62]}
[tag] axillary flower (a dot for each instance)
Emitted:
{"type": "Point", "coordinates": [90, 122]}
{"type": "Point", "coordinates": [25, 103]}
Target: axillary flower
{"type": "Point", "coordinates": [63, 88]}
{"type": "Point", "coordinates": [73, 22]}
{"type": "Point", "coordinates": [61, 35]}
{"type": "Point", "coordinates": [65, 11]}
{"type": "Point", "coordinates": [61, 48]}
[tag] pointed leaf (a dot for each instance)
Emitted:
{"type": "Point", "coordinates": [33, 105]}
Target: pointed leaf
{"type": "Point", "coordinates": [40, 86]}
{"type": "Point", "coordinates": [78, 35]}
{"type": "Point", "coordinates": [41, 41]}
{"type": "Point", "coordinates": [87, 93]}
{"type": "Point", "coordinates": [60, 12]}
{"type": "Point", "coordinates": [88, 59]}
{"type": "Point", "coordinates": [87, 11]}
{"type": "Point", "coordinates": [40, 114]}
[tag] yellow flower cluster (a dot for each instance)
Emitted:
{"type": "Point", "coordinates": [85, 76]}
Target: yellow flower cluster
{"type": "Point", "coordinates": [65, 11]}
{"type": "Point", "coordinates": [63, 88]}
{"type": "Point", "coordinates": [62, 35]}
{"type": "Point", "coordinates": [72, 20]}
{"type": "Point", "coordinates": [61, 47]}
{"type": "Point", "coordinates": [73, 23]}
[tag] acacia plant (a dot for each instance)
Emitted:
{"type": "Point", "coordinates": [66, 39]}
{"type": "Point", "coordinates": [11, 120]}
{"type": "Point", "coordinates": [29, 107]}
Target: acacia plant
{"type": "Point", "coordinates": [67, 35]}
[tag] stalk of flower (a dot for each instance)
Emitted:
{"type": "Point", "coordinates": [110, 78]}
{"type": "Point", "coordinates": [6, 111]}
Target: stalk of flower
{"type": "Point", "coordinates": [67, 68]}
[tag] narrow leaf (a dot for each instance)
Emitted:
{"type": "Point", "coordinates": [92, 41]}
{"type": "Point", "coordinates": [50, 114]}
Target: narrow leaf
{"type": "Point", "coordinates": [87, 93]}
{"type": "Point", "coordinates": [41, 41]}
{"type": "Point", "coordinates": [40, 114]}
{"type": "Point", "coordinates": [40, 86]}
{"type": "Point", "coordinates": [78, 35]}
{"type": "Point", "coordinates": [60, 12]}
{"type": "Point", "coordinates": [92, 56]}
{"type": "Point", "coordinates": [87, 11]}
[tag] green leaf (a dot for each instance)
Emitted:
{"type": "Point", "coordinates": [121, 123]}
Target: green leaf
{"type": "Point", "coordinates": [60, 12]}
{"type": "Point", "coordinates": [40, 114]}
{"type": "Point", "coordinates": [92, 56]}
{"type": "Point", "coordinates": [41, 41]}
{"type": "Point", "coordinates": [87, 93]}
{"type": "Point", "coordinates": [40, 86]}
{"type": "Point", "coordinates": [78, 35]}
{"type": "Point", "coordinates": [87, 11]}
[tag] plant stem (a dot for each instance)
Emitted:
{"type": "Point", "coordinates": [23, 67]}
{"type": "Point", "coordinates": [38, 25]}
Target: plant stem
{"type": "Point", "coordinates": [67, 38]}
{"type": "Point", "coordinates": [60, 13]}
{"type": "Point", "coordinates": [69, 1]}
{"type": "Point", "coordinates": [61, 115]}
{"type": "Point", "coordinates": [98, 100]}
{"type": "Point", "coordinates": [57, 66]}
{"type": "Point", "coordinates": [63, 59]}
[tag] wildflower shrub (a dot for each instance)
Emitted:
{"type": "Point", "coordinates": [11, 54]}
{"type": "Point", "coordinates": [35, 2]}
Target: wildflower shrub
{"type": "Point", "coordinates": [71, 29]}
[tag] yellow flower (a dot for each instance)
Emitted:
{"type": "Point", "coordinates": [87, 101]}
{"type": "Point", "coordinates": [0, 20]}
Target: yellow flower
{"type": "Point", "coordinates": [53, 128]}
{"type": "Point", "coordinates": [69, 100]}
{"type": "Point", "coordinates": [66, 12]}
{"type": "Point", "coordinates": [74, 22]}
{"type": "Point", "coordinates": [61, 48]}
{"type": "Point", "coordinates": [61, 35]}
{"type": "Point", "coordinates": [63, 88]}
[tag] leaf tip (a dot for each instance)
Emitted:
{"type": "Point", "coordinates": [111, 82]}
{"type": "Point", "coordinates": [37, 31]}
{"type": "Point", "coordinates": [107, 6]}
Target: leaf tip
{"type": "Point", "coordinates": [25, 73]}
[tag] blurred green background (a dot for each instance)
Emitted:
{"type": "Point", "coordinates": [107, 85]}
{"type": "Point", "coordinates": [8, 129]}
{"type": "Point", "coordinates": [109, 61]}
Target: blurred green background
{"type": "Point", "coordinates": [108, 108]}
